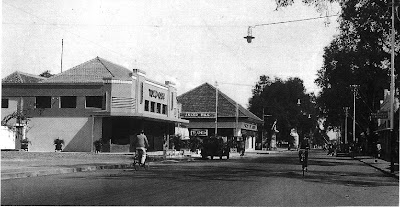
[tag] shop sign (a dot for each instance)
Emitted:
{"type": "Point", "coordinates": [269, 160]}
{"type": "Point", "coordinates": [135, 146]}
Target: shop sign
{"type": "Point", "coordinates": [198, 114]}
{"type": "Point", "coordinates": [199, 132]}
{"type": "Point", "coordinates": [249, 126]}
{"type": "Point", "coordinates": [380, 115]}
{"type": "Point", "coordinates": [156, 94]}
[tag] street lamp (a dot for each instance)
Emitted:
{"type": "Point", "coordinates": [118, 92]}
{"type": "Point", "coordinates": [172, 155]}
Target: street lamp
{"type": "Point", "coordinates": [392, 88]}
{"type": "Point", "coordinates": [249, 37]}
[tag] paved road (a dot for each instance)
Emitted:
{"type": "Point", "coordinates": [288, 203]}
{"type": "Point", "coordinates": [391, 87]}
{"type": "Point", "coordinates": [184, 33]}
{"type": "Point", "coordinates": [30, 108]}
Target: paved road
{"type": "Point", "coordinates": [273, 179]}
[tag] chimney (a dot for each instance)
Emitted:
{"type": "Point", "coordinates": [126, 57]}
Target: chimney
{"type": "Point", "coordinates": [139, 72]}
{"type": "Point", "coordinates": [169, 83]}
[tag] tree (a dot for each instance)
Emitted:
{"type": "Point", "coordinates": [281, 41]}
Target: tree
{"type": "Point", "coordinates": [46, 74]}
{"type": "Point", "coordinates": [359, 55]}
{"type": "Point", "coordinates": [320, 5]}
{"type": "Point", "coordinates": [278, 98]}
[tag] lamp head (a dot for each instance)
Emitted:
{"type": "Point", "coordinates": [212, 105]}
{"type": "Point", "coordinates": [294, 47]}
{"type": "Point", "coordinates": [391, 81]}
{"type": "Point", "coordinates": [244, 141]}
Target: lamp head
{"type": "Point", "coordinates": [249, 38]}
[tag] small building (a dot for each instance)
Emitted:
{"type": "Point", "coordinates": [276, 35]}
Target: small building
{"type": "Point", "coordinates": [229, 119]}
{"type": "Point", "coordinates": [95, 100]}
{"type": "Point", "coordinates": [389, 140]}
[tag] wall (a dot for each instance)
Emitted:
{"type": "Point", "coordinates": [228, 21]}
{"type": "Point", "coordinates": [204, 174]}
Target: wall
{"type": "Point", "coordinates": [75, 131]}
{"type": "Point", "coordinates": [28, 95]}
{"type": "Point", "coordinates": [122, 98]}
{"type": "Point", "coordinates": [7, 138]}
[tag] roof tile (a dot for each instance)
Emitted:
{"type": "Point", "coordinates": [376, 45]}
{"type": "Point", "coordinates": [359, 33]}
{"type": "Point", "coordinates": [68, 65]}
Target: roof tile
{"type": "Point", "coordinates": [202, 99]}
{"type": "Point", "coordinates": [20, 77]}
{"type": "Point", "coordinates": [91, 71]}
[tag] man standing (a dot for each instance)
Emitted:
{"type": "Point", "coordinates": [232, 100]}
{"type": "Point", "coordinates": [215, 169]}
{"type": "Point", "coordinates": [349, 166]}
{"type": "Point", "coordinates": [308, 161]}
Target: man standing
{"type": "Point", "coordinates": [140, 143]}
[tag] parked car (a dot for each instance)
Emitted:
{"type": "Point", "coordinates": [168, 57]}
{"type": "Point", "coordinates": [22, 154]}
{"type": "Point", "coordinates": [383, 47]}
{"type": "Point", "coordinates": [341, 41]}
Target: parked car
{"type": "Point", "coordinates": [214, 146]}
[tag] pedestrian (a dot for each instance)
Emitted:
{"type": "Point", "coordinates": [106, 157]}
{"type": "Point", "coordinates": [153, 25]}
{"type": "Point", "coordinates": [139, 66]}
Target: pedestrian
{"type": "Point", "coordinates": [241, 146]}
{"type": "Point", "coordinates": [378, 150]}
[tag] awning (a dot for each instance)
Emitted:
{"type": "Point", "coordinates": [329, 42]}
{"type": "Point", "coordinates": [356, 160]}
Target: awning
{"type": "Point", "coordinates": [145, 116]}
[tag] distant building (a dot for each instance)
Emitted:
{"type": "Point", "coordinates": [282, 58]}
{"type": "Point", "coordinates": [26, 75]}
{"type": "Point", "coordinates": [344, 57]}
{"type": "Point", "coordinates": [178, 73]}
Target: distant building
{"type": "Point", "coordinates": [96, 99]}
{"type": "Point", "coordinates": [233, 121]}
{"type": "Point", "coordinates": [383, 132]}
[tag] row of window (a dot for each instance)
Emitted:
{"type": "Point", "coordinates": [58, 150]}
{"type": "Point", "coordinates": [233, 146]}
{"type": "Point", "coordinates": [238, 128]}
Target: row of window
{"type": "Point", "coordinates": [155, 107]}
{"type": "Point", "coordinates": [90, 102]}
{"type": "Point", "coordinates": [65, 102]}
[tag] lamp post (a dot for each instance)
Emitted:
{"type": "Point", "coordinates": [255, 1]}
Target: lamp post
{"type": "Point", "coordinates": [249, 36]}
{"type": "Point", "coordinates": [392, 91]}
{"type": "Point", "coordinates": [354, 89]}
{"type": "Point", "coordinates": [262, 134]}
{"type": "Point", "coordinates": [345, 125]}
{"type": "Point", "coordinates": [216, 108]}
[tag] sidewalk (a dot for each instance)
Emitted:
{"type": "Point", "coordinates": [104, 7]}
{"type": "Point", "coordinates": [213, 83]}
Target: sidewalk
{"type": "Point", "coordinates": [20, 164]}
{"type": "Point", "coordinates": [381, 165]}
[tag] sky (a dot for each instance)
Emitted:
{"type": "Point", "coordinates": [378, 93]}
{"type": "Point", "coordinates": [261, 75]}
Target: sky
{"type": "Point", "coordinates": [188, 42]}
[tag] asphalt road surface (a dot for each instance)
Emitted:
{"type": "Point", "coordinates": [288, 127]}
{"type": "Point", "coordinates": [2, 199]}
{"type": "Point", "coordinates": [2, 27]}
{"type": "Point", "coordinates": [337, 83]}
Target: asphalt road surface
{"type": "Point", "coordinates": [262, 180]}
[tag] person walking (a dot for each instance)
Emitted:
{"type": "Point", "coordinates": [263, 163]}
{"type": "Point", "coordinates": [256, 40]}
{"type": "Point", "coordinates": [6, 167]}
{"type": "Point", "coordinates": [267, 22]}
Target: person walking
{"type": "Point", "coordinates": [141, 143]}
{"type": "Point", "coordinates": [242, 147]}
{"type": "Point", "coordinates": [378, 151]}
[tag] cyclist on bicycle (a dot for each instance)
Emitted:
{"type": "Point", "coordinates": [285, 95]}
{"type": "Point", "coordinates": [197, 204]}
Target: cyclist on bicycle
{"type": "Point", "coordinates": [304, 147]}
{"type": "Point", "coordinates": [141, 143]}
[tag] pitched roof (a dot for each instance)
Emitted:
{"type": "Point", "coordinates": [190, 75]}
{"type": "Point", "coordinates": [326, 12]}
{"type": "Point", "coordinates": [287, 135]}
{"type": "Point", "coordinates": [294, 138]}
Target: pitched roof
{"type": "Point", "coordinates": [91, 71]}
{"type": "Point", "coordinates": [202, 99]}
{"type": "Point", "coordinates": [20, 77]}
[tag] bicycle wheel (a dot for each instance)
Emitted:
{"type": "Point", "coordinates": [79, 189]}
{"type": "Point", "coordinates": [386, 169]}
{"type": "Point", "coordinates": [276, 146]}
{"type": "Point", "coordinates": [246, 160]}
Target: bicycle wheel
{"type": "Point", "coordinates": [136, 165]}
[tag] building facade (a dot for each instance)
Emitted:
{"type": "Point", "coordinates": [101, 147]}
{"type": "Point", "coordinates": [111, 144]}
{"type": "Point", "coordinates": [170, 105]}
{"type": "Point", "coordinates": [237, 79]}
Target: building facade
{"type": "Point", "coordinates": [388, 139]}
{"type": "Point", "coordinates": [229, 119]}
{"type": "Point", "coordinates": [95, 100]}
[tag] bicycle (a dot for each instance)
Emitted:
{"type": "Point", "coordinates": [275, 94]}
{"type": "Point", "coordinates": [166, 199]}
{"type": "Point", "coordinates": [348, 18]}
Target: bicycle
{"type": "Point", "coordinates": [303, 154]}
{"type": "Point", "coordinates": [136, 162]}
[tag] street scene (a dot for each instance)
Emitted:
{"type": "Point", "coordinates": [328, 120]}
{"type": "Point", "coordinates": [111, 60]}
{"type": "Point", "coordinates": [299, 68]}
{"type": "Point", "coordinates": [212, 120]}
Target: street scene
{"type": "Point", "coordinates": [255, 179]}
{"type": "Point", "coordinates": [200, 102]}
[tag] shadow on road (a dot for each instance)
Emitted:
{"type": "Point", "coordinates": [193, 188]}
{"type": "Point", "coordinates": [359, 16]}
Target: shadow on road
{"type": "Point", "coordinates": [328, 171]}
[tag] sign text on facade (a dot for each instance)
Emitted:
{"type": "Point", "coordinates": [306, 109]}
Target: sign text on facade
{"type": "Point", "coordinates": [198, 114]}
{"type": "Point", "coordinates": [156, 94]}
{"type": "Point", "coordinates": [199, 132]}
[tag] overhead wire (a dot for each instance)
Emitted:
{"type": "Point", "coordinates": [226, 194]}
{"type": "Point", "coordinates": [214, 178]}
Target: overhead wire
{"type": "Point", "coordinates": [296, 20]}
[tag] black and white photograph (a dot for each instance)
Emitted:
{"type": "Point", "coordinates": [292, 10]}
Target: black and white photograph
{"type": "Point", "coordinates": [200, 102]}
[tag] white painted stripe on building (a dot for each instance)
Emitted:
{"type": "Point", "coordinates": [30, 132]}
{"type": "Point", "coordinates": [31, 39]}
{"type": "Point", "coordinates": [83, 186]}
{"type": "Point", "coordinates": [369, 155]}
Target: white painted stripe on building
{"type": "Point", "coordinates": [156, 85]}
{"type": "Point", "coordinates": [118, 81]}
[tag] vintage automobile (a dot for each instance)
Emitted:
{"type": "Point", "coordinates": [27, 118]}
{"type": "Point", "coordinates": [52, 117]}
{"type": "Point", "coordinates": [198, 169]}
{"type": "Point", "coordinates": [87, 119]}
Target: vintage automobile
{"type": "Point", "coordinates": [214, 146]}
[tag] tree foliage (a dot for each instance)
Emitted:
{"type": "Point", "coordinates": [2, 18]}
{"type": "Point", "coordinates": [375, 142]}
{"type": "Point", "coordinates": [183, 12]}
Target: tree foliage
{"type": "Point", "coordinates": [46, 74]}
{"type": "Point", "coordinates": [278, 99]}
{"type": "Point", "coordinates": [359, 55]}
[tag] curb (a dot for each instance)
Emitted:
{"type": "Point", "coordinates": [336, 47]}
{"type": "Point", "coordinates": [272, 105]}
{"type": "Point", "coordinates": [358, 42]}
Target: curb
{"type": "Point", "coordinates": [7, 176]}
{"type": "Point", "coordinates": [83, 168]}
{"type": "Point", "coordinates": [384, 171]}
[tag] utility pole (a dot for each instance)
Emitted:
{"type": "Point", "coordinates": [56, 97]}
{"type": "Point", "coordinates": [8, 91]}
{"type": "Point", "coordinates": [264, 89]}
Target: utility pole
{"type": "Point", "coordinates": [237, 120]}
{"type": "Point", "coordinates": [392, 91]}
{"type": "Point", "coordinates": [354, 88]}
{"type": "Point", "coordinates": [216, 108]}
{"type": "Point", "coordinates": [62, 51]}
{"type": "Point", "coordinates": [345, 125]}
